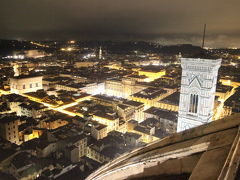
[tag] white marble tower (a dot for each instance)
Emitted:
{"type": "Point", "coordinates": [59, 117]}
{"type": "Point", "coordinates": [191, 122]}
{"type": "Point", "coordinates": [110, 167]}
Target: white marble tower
{"type": "Point", "coordinates": [198, 87]}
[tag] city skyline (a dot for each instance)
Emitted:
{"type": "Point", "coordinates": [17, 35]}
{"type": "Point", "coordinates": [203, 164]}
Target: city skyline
{"type": "Point", "coordinates": [164, 22]}
{"type": "Point", "coordinates": [119, 90]}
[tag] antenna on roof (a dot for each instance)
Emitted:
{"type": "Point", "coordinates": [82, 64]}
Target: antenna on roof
{"type": "Point", "coordinates": [204, 32]}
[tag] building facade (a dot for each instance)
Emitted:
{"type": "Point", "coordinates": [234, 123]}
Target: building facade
{"type": "Point", "coordinates": [98, 131]}
{"type": "Point", "coordinates": [9, 128]}
{"type": "Point", "coordinates": [25, 84]}
{"type": "Point", "coordinates": [198, 87]}
{"type": "Point", "coordinates": [122, 88]}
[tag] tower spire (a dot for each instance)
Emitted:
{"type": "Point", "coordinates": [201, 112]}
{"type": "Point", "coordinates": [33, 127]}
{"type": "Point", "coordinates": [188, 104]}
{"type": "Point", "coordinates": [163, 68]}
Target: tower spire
{"type": "Point", "coordinates": [204, 32]}
{"type": "Point", "coordinates": [100, 53]}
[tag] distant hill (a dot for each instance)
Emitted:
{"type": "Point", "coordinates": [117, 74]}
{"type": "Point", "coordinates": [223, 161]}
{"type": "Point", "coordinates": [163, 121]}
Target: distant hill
{"type": "Point", "coordinates": [185, 49]}
{"type": "Point", "coordinates": [131, 47]}
{"type": "Point", "coordinates": [7, 46]}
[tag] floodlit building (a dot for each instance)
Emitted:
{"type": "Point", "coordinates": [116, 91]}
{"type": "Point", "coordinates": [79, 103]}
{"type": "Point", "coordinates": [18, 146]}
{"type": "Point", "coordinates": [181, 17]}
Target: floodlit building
{"type": "Point", "coordinates": [111, 121]}
{"type": "Point", "coordinates": [167, 119]}
{"type": "Point", "coordinates": [152, 74]}
{"type": "Point", "coordinates": [25, 83]}
{"type": "Point", "coordinates": [94, 88]}
{"type": "Point", "coordinates": [85, 64]}
{"type": "Point", "coordinates": [9, 128]}
{"type": "Point", "coordinates": [198, 88]}
{"type": "Point", "coordinates": [149, 96]}
{"type": "Point", "coordinates": [122, 88]}
{"type": "Point", "coordinates": [132, 139]}
{"type": "Point", "coordinates": [170, 102]}
{"type": "Point", "coordinates": [98, 131]}
{"type": "Point", "coordinates": [138, 110]}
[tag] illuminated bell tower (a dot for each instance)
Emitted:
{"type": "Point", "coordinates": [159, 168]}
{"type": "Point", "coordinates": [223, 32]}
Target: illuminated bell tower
{"type": "Point", "coordinates": [15, 69]}
{"type": "Point", "coordinates": [197, 95]}
{"type": "Point", "coordinates": [100, 53]}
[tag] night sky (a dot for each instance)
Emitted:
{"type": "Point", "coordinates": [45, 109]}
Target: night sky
{"type": "Point", "coordinates": [163, 21]}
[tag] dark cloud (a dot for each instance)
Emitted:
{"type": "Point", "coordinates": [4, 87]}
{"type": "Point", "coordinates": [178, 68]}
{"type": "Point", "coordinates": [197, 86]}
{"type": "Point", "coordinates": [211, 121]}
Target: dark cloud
{"type": "Point", "coordinates": [166, 21]}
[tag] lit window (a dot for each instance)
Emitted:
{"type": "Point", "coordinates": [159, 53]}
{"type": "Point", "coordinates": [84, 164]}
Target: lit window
{"type": "Point", "coordinates": [193, 103]}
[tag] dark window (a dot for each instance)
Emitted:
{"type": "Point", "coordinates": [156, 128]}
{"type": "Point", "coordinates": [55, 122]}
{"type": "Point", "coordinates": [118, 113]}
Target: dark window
{"type": "Point", "coordinates": [36, 84]}
{"type": "Point", "coordinates": [193, 108]}
{"type": "Point", "coordinates": [30, 85]}
{"type": "Point", "coordinates": [24, 86]}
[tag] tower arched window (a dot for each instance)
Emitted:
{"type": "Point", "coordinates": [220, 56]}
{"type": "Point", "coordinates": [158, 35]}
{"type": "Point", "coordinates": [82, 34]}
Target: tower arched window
{"type": "Point", "coordinates": [193, 107]}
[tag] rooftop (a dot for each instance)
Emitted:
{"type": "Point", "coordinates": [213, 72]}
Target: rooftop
{"type": "Point", "coordinates": [162, 113]}
{"type": "Point", "coordinates": [26, 76]}
{"type": "Point", "coordinates": [172, 99]}
{"type": "Point", "coordinates": [210, 151]}
{"type": "Point", "coordinates": [142, 129]}
{"type": "Point", "coordinates": [133, 103]}
{"type": "Point", "coordinates": [99, 126]}
{"type": "Point", "coordinates": [150, 93]}
{"type": "Point", "coordinates": [154, 69]}
{"type": "Point", "coordinates": [131, 134]}
{"type": "Point", "coordinates": [14, 98]}
{"type": "Point", "coordinates": [7, 118]}
{"type": "Point", "coordinates": [223, 89]}
{"type": "Point", "coordinates": [106, 116]}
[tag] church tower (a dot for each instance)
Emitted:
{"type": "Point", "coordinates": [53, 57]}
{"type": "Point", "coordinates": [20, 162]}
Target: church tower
{"type": "Point", "coordinates": [15, 69]}
{"type": "Point", "coordinates": [100, 53]}
{"type": "Point", "coordinates": [197, 95]}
